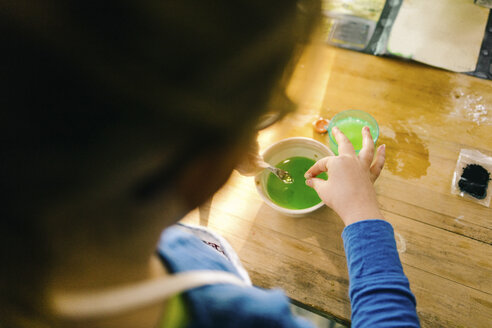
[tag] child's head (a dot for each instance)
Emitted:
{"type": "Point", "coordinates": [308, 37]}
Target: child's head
{"type": "Point", "coordinates": [110, 109]}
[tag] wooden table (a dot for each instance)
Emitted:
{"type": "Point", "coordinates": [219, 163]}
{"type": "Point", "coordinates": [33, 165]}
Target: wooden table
{"type": "Point", "coordinates": [426, 117]}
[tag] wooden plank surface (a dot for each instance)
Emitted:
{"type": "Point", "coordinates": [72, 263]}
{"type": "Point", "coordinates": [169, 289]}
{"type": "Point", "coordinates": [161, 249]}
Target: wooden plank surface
{"type": "Point", "coordinates": [426, 117]}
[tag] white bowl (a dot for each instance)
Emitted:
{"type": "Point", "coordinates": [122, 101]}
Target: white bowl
{"type": "Point", "coordinates": [297, 146]}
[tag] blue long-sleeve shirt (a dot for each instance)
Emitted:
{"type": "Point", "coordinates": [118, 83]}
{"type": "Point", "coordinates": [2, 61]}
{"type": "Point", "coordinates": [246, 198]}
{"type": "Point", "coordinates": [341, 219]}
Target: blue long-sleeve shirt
{"type": "Point", "coordinates": [379, 291]}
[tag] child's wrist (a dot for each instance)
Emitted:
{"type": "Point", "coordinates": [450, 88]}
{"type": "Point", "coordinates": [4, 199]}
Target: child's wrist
{"type": "Point", "coordinates": [360, 214]}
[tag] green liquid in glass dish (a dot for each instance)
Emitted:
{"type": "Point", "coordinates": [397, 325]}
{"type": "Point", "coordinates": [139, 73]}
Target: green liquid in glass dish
{"type": "Point", "coordinates": [296, 195]}
{"type": "Point", "coordinates": [351, 122]}
{"type": "Point", "coordinates": [352, 128]}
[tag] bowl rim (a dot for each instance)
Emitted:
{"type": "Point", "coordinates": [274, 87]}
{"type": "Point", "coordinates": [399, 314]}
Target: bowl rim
{"type": "Point", "coordinates": [267, 200]}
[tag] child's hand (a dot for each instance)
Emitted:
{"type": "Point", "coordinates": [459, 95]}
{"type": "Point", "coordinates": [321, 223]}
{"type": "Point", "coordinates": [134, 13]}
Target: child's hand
{"type": "Point", "coordinates": [349, 190]}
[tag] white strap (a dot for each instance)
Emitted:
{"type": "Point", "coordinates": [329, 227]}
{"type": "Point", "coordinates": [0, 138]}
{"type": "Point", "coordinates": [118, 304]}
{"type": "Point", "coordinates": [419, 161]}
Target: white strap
{"type": "Point", "coordinates": [121, 299]}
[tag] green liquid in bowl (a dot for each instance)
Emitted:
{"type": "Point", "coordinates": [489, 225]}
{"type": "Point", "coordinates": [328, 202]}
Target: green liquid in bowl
{"type": "Point", "coordinates": [296, 195]}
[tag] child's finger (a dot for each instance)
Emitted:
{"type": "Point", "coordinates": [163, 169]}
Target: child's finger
{"type": "Point", "coordinates": [318, 167]}
{"type": "Point", "coordinates": [367, 152]}
{"type": "Point", "coordinates": [344, 145]}
{"type": "Point", "coordinates": [315, 183]}
{"type": "Point", "coordinates": [378, 164]}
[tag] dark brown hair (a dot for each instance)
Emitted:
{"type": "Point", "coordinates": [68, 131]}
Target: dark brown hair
{"type": "Point", "coordinates": [89, 85]}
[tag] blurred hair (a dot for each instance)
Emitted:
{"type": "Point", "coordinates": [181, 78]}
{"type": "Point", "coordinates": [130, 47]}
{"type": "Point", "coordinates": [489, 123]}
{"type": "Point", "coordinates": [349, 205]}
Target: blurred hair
{"type": "Point", "coordinates": [88, 86]}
